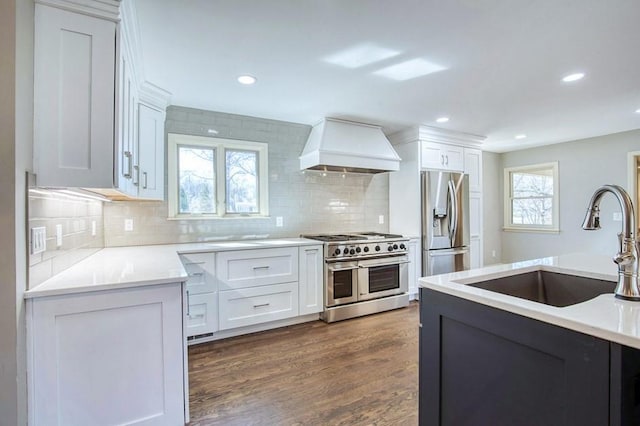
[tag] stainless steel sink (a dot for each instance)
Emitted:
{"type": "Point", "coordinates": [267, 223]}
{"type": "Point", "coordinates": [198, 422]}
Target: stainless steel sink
{"type": "Point", "coordinates": [550, 288]}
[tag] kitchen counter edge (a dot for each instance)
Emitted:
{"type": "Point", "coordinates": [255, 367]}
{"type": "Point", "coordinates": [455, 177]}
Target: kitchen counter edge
{"type": "Point", "coordinates": [137, 266]}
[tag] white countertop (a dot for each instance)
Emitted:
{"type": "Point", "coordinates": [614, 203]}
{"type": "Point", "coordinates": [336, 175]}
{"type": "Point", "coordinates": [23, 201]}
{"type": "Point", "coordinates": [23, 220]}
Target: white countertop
{"type": "Point", "coordinates": [123, 267]}
{"type": "Point", "coordinates": [604, 316]}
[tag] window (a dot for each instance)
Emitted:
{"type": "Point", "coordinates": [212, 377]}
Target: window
{"type": "Point", "coordinates": [531, 198]}
{"type": "Point", "coordinates": [216, 178]}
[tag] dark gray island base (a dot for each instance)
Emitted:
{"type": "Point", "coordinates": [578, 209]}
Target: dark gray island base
{"type": "Point", "coordinates": [484, 366]}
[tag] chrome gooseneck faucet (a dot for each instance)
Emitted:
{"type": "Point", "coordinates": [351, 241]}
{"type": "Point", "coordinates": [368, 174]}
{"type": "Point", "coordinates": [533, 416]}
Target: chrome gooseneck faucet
{"type": "Point", "coordinates": [628, 287]}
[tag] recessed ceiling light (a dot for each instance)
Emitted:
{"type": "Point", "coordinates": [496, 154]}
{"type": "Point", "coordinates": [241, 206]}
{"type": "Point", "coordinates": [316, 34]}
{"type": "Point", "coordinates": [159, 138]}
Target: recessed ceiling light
{"type": "Point", "coordinates": [638, 110]}
{"type": "Point", "coordinates": [573, 77]}
{"type": "Point", "coordinates": [442, 119]}
{"type": "Point", "coordinates": [246, 79]}
{"type": "Point", "coordinates": [521, 136]}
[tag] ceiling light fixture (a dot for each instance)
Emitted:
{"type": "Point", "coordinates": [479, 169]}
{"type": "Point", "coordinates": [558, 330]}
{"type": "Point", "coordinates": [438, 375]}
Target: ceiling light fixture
{"type": "Point", "coordinates": [638, 111]}
{"type": "Point", "coordinates": [442, 119]}
{"type": "Point", "coordinates": [521, 136]}
{"type": "Point", "coordinates": [573, 77]}
{"type": "Point", "coordinates": [246, 79]}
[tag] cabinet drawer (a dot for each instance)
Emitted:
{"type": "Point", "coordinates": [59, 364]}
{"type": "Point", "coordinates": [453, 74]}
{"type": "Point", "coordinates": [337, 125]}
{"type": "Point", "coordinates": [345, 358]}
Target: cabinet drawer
{"type": "Point", "coordinates": [239, 308]}
{"type": "Point", "coordinates": [250, 268]}
{"type": "Point", "coordinates": [202, 316]}
{"type": "Point", "coordinates": [202, 272]}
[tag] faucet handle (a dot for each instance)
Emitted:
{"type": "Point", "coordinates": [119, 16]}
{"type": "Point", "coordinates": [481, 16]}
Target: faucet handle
{"type": "Point", "coordinates": [623, 259]}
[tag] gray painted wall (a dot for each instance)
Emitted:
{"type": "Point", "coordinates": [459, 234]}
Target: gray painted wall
{"type": "Point", "coordinates": [584, 165]}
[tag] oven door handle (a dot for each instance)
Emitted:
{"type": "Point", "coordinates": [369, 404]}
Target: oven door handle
{"type": "Point", "coordinates": [384, 264]}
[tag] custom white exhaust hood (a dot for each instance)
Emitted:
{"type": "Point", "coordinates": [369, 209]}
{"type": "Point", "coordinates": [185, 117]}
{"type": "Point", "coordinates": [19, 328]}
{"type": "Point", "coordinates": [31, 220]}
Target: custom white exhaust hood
{"type": "Point", "coordinates": [345, 146]}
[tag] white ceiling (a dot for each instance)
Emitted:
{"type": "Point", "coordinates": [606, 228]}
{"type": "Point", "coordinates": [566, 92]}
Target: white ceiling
{"type": "Point", "coordinates": [504, 62]}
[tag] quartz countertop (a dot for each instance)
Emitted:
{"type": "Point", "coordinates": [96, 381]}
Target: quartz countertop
{"type": "Point", "coordinates": [135, 266]}
{"type": "Point", "coordinates": [604, 316]}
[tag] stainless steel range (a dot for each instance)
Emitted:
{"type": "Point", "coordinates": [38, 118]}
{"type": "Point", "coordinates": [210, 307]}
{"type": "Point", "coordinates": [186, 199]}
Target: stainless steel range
{"type": "Point", "coordinates": [364, 273]}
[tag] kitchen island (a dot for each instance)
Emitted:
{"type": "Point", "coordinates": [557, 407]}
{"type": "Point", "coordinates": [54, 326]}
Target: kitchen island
{"type": "Point", "coordinates": [491, 358]}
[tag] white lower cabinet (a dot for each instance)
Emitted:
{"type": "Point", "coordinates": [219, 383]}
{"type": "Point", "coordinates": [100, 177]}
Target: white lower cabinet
{"type": "Point", "coordinates": [202, 314]}
{"type": "Point", "coordinates": [414, 267]}
{"type": "Point", "coordinates": [255, 305]}
{"type": "Point", "coordinates": [107, 357]}
{"type": "Point", "coordinates": [311, 279]}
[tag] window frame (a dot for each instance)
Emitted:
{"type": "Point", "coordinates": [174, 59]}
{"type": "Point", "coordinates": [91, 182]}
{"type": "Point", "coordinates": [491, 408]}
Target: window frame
{"type": "Point", "coordinates": [554, 227]}
{"type": "Point", "coordinates": [219, 145]}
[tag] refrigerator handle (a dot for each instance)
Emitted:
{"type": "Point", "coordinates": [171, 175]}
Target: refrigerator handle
{"type": "Point", "coordinates": [453, 226]}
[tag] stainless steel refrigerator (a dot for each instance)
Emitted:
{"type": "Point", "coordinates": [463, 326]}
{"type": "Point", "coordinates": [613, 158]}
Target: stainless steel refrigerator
{"type": "Point", "coordinates": [445, 222]}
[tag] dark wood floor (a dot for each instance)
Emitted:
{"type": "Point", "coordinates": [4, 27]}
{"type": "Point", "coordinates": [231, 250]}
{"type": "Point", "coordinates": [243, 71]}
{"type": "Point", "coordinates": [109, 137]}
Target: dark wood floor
{"type": "Point", "coordinates": [362, 371]}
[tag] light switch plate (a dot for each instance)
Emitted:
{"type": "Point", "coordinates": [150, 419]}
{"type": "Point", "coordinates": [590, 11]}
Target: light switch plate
{"type": "Point", "coordinates": [38, 239]}
{"type": "Point", "coordinates": [381, 219]}
{"type": "Point", "coordinates": [617, 216]}
{"type": "Point", "coordinates": [93, 228]}
{"type": "Point", "coordinates": [128, 225]}
{"type": "Point", "coordinates": [279, 222]}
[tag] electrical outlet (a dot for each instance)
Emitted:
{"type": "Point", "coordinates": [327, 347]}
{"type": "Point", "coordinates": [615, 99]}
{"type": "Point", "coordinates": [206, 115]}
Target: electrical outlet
{"type": "Point", "coordinates": [617, 216]}
{"type": "Point", "coordinates": [38, 239]}
{"type": "Point", "coordinates": [493, 254]}
{"type": "Point", "coordinates": [93, 228]}
{"type": "Point", "coordinates": [279, 222]}
{"type": "Point", "coordinates": [128, 225]}
{"type": "Point", "coordinates": [381, 219]}
{"type": "Point", "coordinates": [58, 235]}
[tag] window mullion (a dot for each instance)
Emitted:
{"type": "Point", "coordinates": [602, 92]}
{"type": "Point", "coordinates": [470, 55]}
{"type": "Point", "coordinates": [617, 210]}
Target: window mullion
{"type": "Point", "coordinates": [221, 180]}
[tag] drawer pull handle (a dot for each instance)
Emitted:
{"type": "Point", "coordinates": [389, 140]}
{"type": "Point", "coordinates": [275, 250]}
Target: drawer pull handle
{"type": "Point", "coordinates": [196, 274]}
{"type": "Point", "coordinates": [194, 263]}
{"type": "Point", "coordinates": [261, 267]}
{"type": "Point", "coordinates": [261, 305]}
{"type": "Point", "coordinates": [196, 316]}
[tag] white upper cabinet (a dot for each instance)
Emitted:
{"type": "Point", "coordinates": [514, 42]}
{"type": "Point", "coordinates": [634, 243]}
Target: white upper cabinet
{"type": "Point", "coordinates": [473, 167]}
{"type": "Point", "coordinates": [73, 98]}
{"type": "Point", "coordinates": [91, 127]}
{"type": "Point", "coordinates": [442, 157]}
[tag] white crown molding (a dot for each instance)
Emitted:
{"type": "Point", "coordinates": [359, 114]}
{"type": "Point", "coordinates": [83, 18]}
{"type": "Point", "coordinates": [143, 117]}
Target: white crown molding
{"type": "Point", "coordinates": [105, 9]}
{"type": "Point", "coordinates": [436, 134]}
{"type": "Point", "coordinates": [154, 96]}
{"type": "Point", "coordinates": [131, 33]}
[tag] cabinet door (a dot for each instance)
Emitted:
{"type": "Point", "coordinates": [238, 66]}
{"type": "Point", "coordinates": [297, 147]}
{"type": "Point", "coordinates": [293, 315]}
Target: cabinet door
{"type": "Point", "coordinates": [441, 157]}
{"type": "Point", "coordinates": [202, 314]}
{"type": "Point", "coordinates": [127, 151]}
{"type": "Point", "coordinates": [74, 95]}
{"type": "Point", "coordinates": [256, 305]}
{"type": "Point", "coordinates": [483, 366]}
{"type": "Point", "coordinates": [108, 357]}
{"type": "Point", "coordinates": [250, 268]}
{"type": "Point", "coordinates": [415, 266]}
{"type": "Point", "coordinates": [311, 286]}
{"type": "Point", "coordinates": [473, 167]}
{"type": "Point", "coordinates": [453, 157]}
{"type": "Point", "coordinates": [202, 272]}
{"type": "Point", "coordinates": [151, 152]}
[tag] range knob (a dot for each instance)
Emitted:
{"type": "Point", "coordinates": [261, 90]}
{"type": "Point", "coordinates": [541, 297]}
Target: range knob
{"type": "Point", "coordinates": [337, 252]}
{"type": "Point", "coordinates": [352, 251]}
{"type": "Point", "coordinates": [402, 246]}
{"type": "Point", "coordinates": [366, 249]}
{"type": "Point", "coordinates": [390, 248]}
{"type": "Point", "coordinates": [377, 248]}
{"type": "Point", "coordinates": [395, 247]}
{"type": "Point", "coordinates": [358, 249]}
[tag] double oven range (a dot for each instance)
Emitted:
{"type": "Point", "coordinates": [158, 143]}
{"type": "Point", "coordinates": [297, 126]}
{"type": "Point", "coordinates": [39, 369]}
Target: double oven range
{"type": "Point", "coordinates": [364, 273]}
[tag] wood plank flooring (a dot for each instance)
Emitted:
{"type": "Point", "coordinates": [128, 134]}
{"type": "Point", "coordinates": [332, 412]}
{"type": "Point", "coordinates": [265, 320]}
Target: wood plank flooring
{"type": "Point", "coordinates": [362, 371]}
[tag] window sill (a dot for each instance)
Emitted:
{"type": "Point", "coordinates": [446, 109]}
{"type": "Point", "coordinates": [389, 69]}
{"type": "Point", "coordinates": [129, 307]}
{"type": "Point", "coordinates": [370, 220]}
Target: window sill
{"type": "Point", "coordinates": [533, 230]}
{"type": "Point", "coordinates": [239, 217]}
